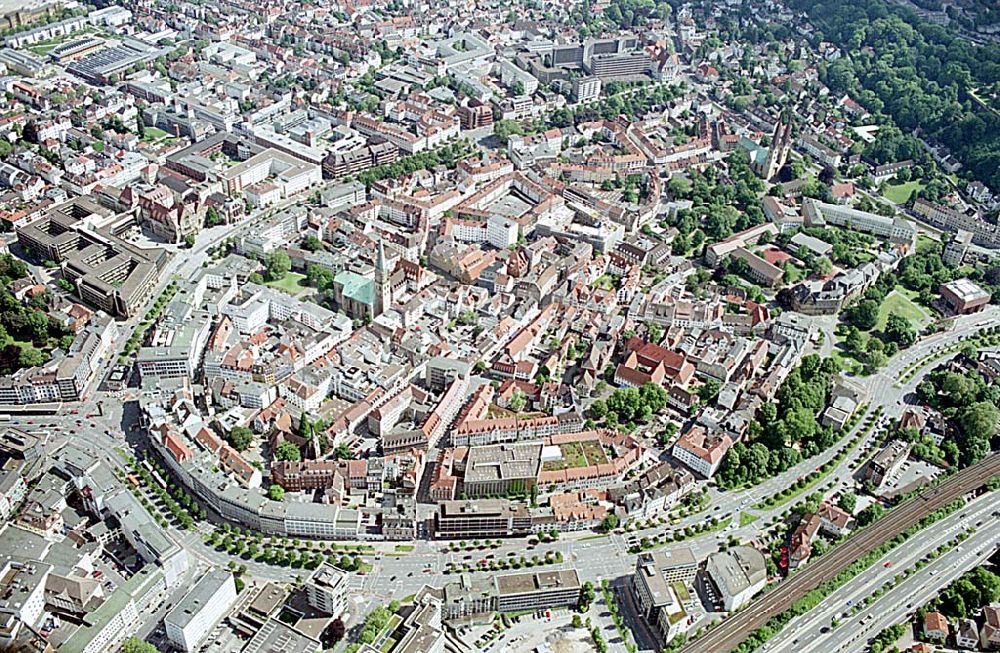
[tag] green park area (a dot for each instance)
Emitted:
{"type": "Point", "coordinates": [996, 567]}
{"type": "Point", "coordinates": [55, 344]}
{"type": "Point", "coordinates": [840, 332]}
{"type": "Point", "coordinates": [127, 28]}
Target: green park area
{"type": "Point", "coordinates": [606, 282]}
{"type": "Point", "coordinates": [155, 135]}
{"type": "Point", "coordinates": [899, 303]}
{"type": "Point", "coordinates": [42, 48]}
{"type": "Point", "coordinates": [900, 193]}
{"type": "Point", "coordinates": [292, 283]}
{"type": "Point", "coordinates": [794, 274]}
{"type": "Point", "coordinates": [576, 454]}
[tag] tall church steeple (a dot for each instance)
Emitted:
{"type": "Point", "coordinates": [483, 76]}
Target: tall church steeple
{"type": "Point", "coordinates": [383, 282]}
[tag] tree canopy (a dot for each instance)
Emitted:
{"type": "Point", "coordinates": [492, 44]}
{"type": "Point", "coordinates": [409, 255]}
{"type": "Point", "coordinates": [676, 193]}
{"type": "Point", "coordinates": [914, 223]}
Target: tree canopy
{"type": "Point", "coordinates": [971, 403]}
{"type": "Point", "coordinates": [966, 595]}
{"type": "Point", "coordinates": [240, 438]}
{"type": "Point", "coordinates": [918, 74]}
{"type": "Point", "coordinates": [775, 443]}
{"type": "Point", "coordinates": [277, 265]}
{"type": "Point", "coordinates": [287, 451]}
{"type": "Point", "coordinates": [136, 645]}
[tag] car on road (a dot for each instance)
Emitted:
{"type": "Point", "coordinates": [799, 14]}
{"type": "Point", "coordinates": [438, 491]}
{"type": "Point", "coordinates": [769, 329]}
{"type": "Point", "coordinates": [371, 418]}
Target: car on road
{"type": "Point", "coordinates": [888, 563]}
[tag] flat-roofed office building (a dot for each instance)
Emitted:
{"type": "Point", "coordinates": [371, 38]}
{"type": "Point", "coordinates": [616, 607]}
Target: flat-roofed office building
{"type": "Point", "coordinates": [538, 590]}
{"type": "Point", "coordinates": [109, 273]}
{"type": "Point", "coordinates": [205, 605]}
{"type": "Point", "coordinates": [485, 518]}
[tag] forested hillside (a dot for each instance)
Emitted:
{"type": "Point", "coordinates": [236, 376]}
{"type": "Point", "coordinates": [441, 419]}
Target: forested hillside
{"type": "Point", "coordinates": [920, 74]}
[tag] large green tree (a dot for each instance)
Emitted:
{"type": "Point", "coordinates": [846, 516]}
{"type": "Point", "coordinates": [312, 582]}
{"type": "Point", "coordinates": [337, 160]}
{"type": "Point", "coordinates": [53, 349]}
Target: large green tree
{"type": "Point", "coordinates": [287, 451]}
{"type": "Point", "coordinates": [899, 330]}
{"type": "Point", "coordinates": [277, 265]}
{"type": "Point", "coordinates": [241, 438]}
{"type": "Point", "coordinates": [136, 645]}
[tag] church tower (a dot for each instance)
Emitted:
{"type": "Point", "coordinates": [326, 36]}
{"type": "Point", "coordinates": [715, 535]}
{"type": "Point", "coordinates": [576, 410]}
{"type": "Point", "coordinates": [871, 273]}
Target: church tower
{"type": "Point", "coordinates": [781, 143]}
{"type": "Point", "coordinates": [383, 282]}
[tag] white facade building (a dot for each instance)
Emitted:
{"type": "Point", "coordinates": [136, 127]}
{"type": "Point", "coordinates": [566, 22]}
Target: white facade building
{"type": "Point", "coordinates": [193, 618]}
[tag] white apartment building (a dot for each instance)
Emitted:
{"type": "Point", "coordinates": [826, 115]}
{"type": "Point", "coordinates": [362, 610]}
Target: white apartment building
{"type": "Point", "coordinates": [498, 231]}
{"type": "Point", "coordinates": [738, 574]}
{"type": "Point", "coordinates": [696, 451]}
{"type": "Point", "coordinates": [289, 174]}
{"type": "Point", "coordinates": [897, 230]}
{"type": "Point", "coordinates": [193, 618]}
{"type": "Point", "coordinates": [327, 590]}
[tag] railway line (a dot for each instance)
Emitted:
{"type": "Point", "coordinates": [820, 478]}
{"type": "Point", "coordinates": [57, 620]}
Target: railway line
{"type": "Point", "coordinates": [731, 632]}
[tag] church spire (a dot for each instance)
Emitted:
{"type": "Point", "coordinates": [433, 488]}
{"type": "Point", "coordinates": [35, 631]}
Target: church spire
{"type": "Point", "coordinates": [383, 282]}
{"type": "Point", "coordinates": [380, 260]}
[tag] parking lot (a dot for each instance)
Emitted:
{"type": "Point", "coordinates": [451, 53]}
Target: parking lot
{"type": "Point", "coordinates": [910, 475]}
{"type": "Point", "coordinates": [544, 628]}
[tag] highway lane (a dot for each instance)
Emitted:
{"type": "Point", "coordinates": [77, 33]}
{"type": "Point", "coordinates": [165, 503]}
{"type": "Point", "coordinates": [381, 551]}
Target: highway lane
{"type": "Point", "coordinates": [902, 600]}
{"type": "Point", "coordinates": [736, 628]}
{"type": "Point", "coordinates": [804, 633]}
{"type": "Point", "coordinates": [899, 603]}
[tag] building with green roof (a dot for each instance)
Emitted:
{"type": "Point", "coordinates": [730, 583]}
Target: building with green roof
{"type": "Point", "coordinates": [354, 294]}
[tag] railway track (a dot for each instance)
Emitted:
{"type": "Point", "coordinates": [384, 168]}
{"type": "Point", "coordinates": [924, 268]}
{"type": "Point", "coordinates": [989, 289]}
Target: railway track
{"type": "Point", "coordinates": [736, 628]}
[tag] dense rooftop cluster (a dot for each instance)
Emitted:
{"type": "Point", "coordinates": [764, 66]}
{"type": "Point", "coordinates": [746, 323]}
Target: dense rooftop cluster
{"type": "Point", "coordinates": [370, 299]}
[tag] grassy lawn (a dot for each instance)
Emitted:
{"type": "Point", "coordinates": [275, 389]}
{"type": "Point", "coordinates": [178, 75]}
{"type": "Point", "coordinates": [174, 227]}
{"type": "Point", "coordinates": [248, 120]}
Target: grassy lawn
{"type": "Point", "coordinates": [746, 519]}
{"type": "Point", "coordinates": [594, 453]}
{"type": "Point", "coordinates": [899, 194]}
{"type": "Point", "coordinates": [42, 48]}
{"type": "Point", "coordinates": [899, 303]}
{"type": "Point", "coordinates": [595, 537]}
{"type": "Point", "coordinates": [794, 274]}
{"type": "Point", "coordinates": [847, 362]}
{"type": "Point", "coordinates": [292, 283]}
{"type": "Point", "coordinates": [925, 242]}
{"type": "Point", "coordinates": [496, 412]}
{"type": "Point", "coordinates": [606, 281]}
{"type": "Point", "coordinates": [154, 134]}
{"type": "Point", "coordinates": [577, 454]}
{"type": "Point", "coordinates": [387, 632]}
